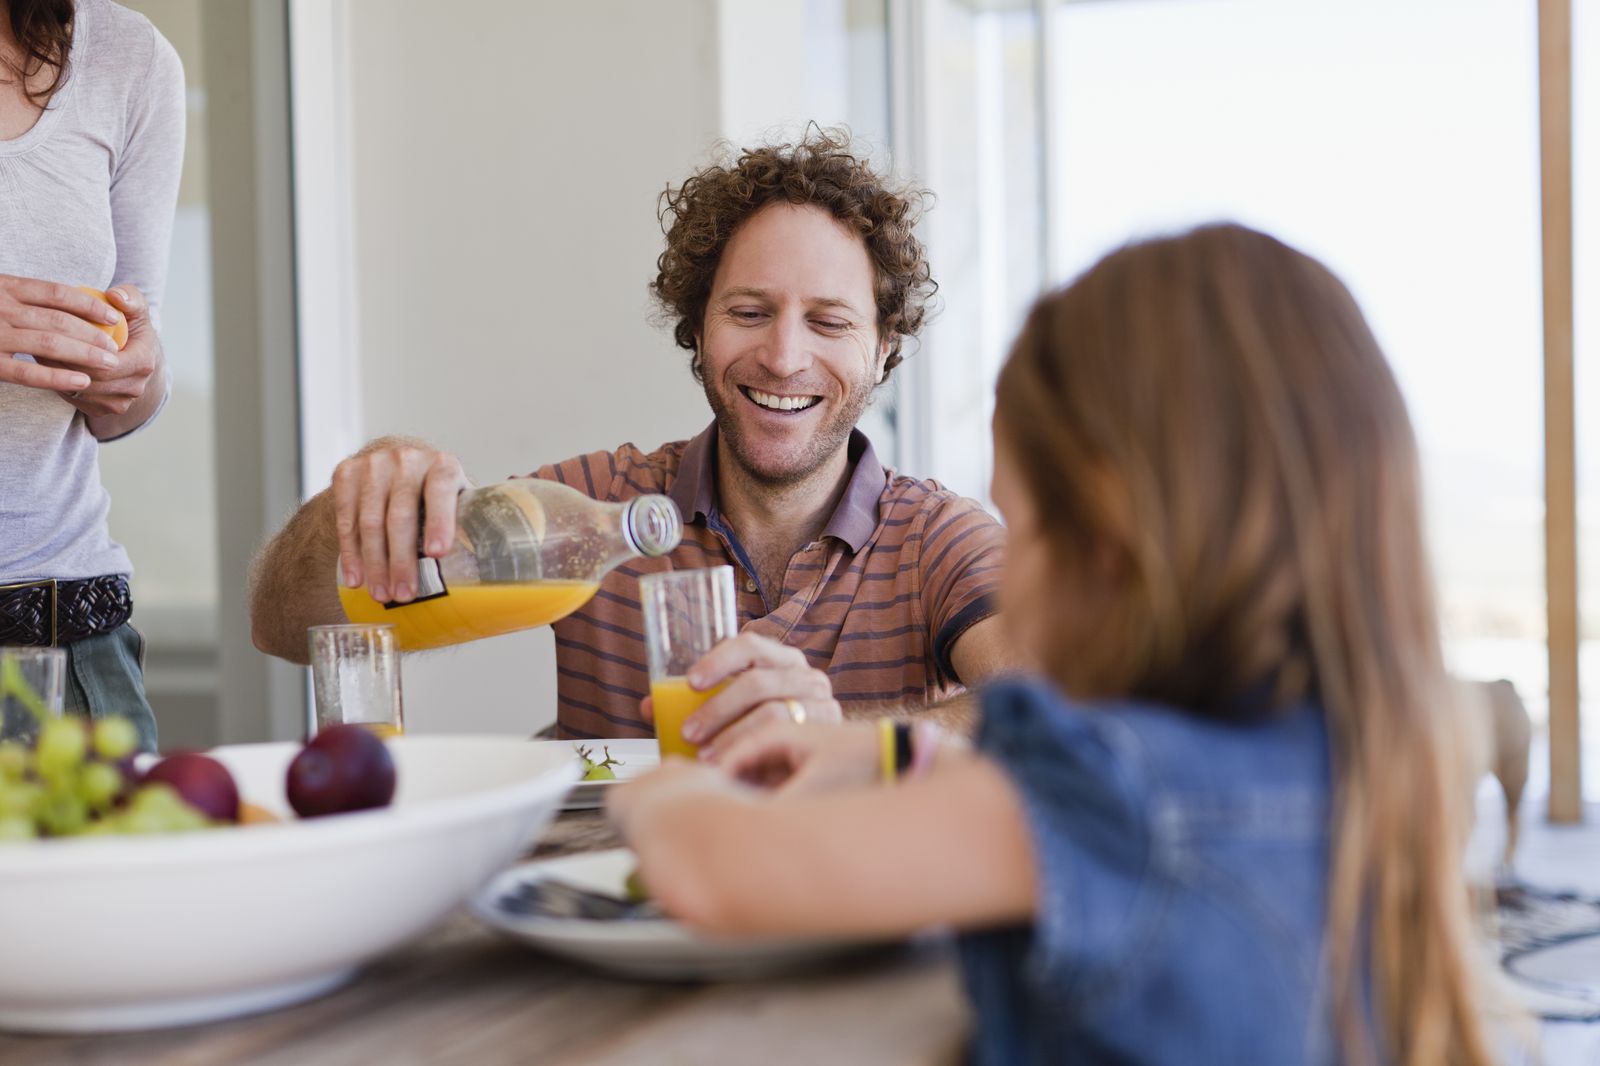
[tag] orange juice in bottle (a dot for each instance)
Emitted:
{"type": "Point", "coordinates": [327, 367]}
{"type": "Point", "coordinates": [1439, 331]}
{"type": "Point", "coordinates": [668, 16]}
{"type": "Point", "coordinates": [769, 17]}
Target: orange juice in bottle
{"type": "Point", "coordinates": [470, 611]}
{"type": "Point", "coordinates": [527, 553]}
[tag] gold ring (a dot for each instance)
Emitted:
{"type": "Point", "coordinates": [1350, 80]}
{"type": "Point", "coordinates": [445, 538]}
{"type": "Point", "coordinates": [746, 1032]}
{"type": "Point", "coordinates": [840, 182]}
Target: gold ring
{"type": "Point", "coordinates": [797, 711]}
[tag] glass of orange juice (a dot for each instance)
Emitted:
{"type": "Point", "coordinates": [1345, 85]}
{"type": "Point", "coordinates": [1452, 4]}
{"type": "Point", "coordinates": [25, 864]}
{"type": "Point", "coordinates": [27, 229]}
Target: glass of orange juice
{"type": "Point", "coordinates": [355, 677]}
{"type": "Point", "coordinates": [686, 614]}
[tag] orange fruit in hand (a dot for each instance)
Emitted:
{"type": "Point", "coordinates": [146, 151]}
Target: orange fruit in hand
{"type": "Point", "coordinates": [117, 331]}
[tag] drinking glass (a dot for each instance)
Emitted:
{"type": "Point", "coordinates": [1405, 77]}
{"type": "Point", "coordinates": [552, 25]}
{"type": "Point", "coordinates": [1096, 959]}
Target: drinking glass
{"type": "Point", "coordinates": [686, 614]}
{"type": "Point", "coordinates": [355, 676]}
{"type": "Point", "coordinates": [32, 685]}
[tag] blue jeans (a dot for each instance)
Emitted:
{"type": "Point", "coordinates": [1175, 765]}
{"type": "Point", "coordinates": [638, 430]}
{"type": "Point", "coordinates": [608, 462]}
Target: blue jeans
{"type": "Point", "coordinates": [105, 676]}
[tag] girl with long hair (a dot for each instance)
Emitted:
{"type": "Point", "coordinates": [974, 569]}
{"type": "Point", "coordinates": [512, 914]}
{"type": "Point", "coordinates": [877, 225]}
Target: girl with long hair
{"type": "Point", "coordinates": [1220, 825]}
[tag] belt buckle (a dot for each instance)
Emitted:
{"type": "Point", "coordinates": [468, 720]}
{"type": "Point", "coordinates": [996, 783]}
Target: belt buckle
{"type": "Point", "coordinates": [55, 601]}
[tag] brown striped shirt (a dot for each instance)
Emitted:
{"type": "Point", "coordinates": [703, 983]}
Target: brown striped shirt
{"type": "Point", "coordinates": [902, 569]}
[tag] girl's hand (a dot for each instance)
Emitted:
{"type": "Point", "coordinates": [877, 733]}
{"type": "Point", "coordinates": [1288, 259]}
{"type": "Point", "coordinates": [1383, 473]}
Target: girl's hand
{"type": "Point", "coordinates": [58, 325]}
{"type": "Point", "coordinates": [803, 758]}
{"type": "Point", "coordinates": [676, 780]}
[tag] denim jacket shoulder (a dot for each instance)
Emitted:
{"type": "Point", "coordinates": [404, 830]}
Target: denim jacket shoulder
{"type": "Point", "coordinates": [1182, 867]}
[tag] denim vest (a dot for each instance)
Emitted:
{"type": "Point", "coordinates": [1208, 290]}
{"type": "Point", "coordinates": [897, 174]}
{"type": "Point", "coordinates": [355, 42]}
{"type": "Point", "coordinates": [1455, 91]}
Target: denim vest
{"type": "Point", "coordinates": [1182, 886]}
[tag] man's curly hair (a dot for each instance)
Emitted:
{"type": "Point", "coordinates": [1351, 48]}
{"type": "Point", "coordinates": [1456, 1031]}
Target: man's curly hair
{"type": "Point", "coordinates": [702, 214]}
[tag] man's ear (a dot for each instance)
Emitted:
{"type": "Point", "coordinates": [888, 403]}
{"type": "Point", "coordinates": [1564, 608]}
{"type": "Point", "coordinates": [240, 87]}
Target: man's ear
{"type": "Point", "coordinates": [883, 360]}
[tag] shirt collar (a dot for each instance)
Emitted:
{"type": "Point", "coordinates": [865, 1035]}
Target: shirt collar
{"type": "Point", "coordinates": [694, 491]}
{"type": "Point", "coordinates": [852, 521]}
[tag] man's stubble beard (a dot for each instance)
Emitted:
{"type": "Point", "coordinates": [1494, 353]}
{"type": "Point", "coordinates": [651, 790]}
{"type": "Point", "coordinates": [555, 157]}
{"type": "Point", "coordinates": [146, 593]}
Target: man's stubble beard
{"type": "Point", "coordinates": [823, 445]}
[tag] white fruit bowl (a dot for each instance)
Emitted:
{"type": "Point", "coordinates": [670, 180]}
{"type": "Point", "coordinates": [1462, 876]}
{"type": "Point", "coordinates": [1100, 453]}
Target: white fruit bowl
{"type": "Point", "coordinates": [111, 933]}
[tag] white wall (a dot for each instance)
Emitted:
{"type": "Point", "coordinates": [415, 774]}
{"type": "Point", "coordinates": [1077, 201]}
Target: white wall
{"type": "Point", "coordinates": [506, 158]}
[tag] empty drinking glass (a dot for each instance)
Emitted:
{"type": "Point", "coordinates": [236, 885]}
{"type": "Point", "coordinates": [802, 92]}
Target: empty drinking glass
{"type": "Point", "coordinates": [355, 676]}
{"type": "Point", "coordinates": [32, 685]}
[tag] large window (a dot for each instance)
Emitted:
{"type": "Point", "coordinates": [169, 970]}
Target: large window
{"type": "Point", "coordinates": [1404, 157]}
{"type": "Point", "coordinates": [982, 157]}
{"type": "Point", "coordinates": [1399, 143]}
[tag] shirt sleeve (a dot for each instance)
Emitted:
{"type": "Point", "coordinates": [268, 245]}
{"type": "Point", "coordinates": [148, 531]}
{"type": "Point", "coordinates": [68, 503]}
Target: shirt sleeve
{"type": "Point", "coordinates": [144, 184]}
{"type": "Point", "coordinates": [592, 474]}
{"type": "Point", "coordinates": [1083, 786]}
{"type": "Point", "coordinates": [609, 476]}
{"type": "Point", "coordinates": [962, 552]}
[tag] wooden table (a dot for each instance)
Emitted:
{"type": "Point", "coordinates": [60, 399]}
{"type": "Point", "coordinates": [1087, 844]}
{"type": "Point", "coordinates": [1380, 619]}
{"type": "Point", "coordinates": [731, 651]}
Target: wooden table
{"type": "Point", "coordinates": [463, 994]}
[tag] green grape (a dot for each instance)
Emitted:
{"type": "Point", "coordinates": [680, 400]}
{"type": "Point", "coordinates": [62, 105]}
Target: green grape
{"type": "Point", "coordinates": [115, 737]}
{"type": "Point", "coordinates": [185, 818]}
{"type": "Point", "coordinates": [17, 827]}
{"type": "Point", "coordinates": [62, 814]}
{"type": "Point", "coordinates": [141, 822]}
{"type": "Point", "coordinates": [15, 760]}
{"type": "Point", "coordinates": [98, 784]}
{"type": "Point", "coordinates": [61, 747]}
{"type": "Point", "coordinates": [598, 769]}
{"type": "Point", "coordinates": [19, 798]}
{"type": "Point", "coordinates": [158, 808]}
{"type": "Point", "coordinates": [155, 799]}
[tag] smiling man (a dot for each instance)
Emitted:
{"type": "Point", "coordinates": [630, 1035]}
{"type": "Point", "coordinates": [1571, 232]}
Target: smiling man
{"type": "Point", "coordinates": [793, 276]}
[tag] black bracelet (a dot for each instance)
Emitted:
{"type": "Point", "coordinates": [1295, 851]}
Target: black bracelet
{"type": "Point", "coordinates": [902, 748]}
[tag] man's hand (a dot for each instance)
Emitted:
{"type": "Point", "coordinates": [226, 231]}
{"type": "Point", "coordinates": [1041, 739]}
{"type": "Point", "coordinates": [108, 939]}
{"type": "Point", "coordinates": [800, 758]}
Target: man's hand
{"type": "Point", "coordinates": [376, 495]}
{"type": "Point", "coordinates": [766, 681]}
{"type": "Point", "coordinates": [805, 758]}
{"type": "Point", "coordinates": [56, 324]}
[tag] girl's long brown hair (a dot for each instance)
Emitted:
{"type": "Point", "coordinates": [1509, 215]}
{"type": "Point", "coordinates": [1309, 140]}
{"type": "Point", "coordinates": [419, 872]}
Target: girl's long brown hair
{"type": "Point", "coordinates": [43, 31]}
{"type": "Point", "coordinates": [1211, 415]}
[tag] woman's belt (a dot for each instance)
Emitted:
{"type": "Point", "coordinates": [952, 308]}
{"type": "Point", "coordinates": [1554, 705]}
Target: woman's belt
{"type": "Point", "coordinates": [50, 612]}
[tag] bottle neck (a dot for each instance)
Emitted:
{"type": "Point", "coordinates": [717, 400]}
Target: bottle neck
{"type": "Point", "coordinates": [651, 525]}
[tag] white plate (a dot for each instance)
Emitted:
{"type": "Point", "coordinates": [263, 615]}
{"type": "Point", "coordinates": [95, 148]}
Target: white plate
{"type": "Point", "coordinates": [634, 757]}
{"type": "Point", "coordinates": [655, 949]}
{"type": "Point", "coordinates": [138, 932]}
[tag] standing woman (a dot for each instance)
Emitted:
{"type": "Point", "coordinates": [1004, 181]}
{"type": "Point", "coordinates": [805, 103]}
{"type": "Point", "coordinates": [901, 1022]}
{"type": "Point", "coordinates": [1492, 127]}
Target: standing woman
{"type": "Point", "coordinates": [91, 149]}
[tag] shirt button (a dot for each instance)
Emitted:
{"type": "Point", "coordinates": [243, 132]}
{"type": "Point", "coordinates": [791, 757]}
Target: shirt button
{"type": "Point", "coordinates": [749, 584]}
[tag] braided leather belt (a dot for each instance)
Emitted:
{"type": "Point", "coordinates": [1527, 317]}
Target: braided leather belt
{"type": "Point", "coordinates": [50, 612]}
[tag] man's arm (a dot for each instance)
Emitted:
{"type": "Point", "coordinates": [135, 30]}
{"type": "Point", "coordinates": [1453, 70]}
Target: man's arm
{"type": "Point", "coordinates": [293, 584]}
{"type": "Point", "coordinates": [366, 525]}
{"type": "Point", "coordinates": [979, 654]}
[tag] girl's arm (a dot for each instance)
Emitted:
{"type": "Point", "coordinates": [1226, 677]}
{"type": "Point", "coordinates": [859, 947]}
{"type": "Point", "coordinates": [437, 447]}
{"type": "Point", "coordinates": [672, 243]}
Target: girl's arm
{"type": "Point", "coordinates": [950, 848]}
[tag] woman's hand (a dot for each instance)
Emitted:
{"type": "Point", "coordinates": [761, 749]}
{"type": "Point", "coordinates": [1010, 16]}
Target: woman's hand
{"type": "Point", "coordinates": [765, 682]}
{"type": "Point", "coordinates": [114, 391]}
{"type": "Point", "coordinates": [58, 325]}
{"type": "Point", "coordinates": [805, 758]}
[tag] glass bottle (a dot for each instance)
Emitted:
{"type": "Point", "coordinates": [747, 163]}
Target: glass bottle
{"type": "Point", "coordinates": [527, 553]}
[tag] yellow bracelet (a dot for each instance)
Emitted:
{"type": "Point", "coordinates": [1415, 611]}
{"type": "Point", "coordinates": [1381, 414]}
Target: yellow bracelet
{"type": "Point", "coordinates": [886, 749]}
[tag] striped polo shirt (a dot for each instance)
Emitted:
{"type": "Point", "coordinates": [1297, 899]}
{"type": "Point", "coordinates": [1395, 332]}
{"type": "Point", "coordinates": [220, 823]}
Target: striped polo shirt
{"type": "Point", "coordinates": [902, 569]}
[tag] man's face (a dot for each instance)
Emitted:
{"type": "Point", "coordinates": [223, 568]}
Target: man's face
{"type": "Point", "coordinates": [789, 349]}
